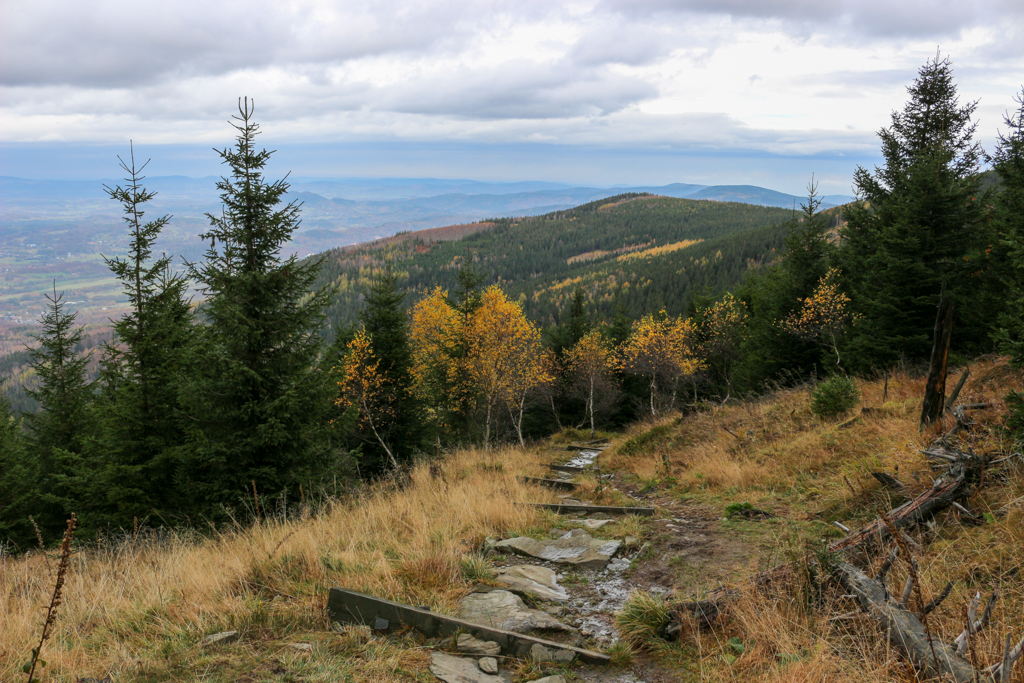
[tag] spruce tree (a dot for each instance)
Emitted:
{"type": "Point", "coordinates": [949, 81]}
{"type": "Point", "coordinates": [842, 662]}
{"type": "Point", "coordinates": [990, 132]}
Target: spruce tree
{"type": "Point", "coordinates": [254, 390]}
{"type": "Point", "coordinates": [58, 430]}
{"type": "Point", "coordinates": [768, 351]}
{"type": "Point", "coordinates": [385, 320]}
{"type": "Point", "coordinates": [920, 223]}
{"type": "Point", "coordinates": [139, 404]}
{"type": "Point", "coordinates": [1008, 163]}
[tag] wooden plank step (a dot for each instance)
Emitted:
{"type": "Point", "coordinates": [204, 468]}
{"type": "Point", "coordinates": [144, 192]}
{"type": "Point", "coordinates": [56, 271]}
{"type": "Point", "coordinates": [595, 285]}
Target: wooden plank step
{"type": "Point", "coordinates": [571, 469]}
{"type": "Point", "coordinates": [552, 483]}
{"type": "Point", "coordinates": [350, 607]}
{"type": "Point", "coordinates": [607, 509]}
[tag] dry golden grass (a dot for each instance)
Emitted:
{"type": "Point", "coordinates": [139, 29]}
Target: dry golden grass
{"type": "Point", "coordinates": [775, 453]}
{"type": "Point", "coordinates": [139, 611]}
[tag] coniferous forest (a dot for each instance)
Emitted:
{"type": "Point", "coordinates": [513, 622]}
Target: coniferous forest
{"type": "Point", "coordinates": [288, 379]}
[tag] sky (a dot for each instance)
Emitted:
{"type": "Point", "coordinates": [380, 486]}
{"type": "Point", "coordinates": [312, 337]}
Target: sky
{"type": "Point", "coordinates": [598, 92]}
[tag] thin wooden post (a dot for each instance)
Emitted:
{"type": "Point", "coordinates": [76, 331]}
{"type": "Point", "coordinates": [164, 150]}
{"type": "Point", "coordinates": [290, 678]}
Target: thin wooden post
{"type": "Point", "coordinates": [935, 390]}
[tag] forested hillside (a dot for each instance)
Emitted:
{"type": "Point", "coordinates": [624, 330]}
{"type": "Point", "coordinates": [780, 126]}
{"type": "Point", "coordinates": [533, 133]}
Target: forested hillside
{"type": "Point", "coordinates": [633, 252]}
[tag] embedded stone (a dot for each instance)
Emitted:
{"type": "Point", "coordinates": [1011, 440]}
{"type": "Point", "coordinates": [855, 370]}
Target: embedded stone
{"type": "Point", "coordinates": [489, 665]}
{"type": "Point", "coordinates": [469, 645]}
{"type": "Point", "coordinates": [507, 611]}
{"type": "Point", "coordinates": [541, 654]}
{"type": "Point", "coordinates": [458, 670]}
{"type": "Point", "coordinates": [539, 582]}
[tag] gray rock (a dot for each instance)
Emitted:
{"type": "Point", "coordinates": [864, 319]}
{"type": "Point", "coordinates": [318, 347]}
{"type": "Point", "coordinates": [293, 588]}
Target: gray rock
{"type": "Point", "coordinates": [469, 645]}
{"type": "Point", "coordinates": [507, 611]}
{"type": "Point", "coordinates": [458, 670]}
{"type": "Point", "coordinates": [550, 679]}
{"type": "Point", "coordinates": [540, 654]}
{"type": "Point", "coordinates": [489, 665]}
{"type": "Point", "coordinates": [594, 524]}
{"type": "Point", "coordinates": [619, 564]}
{"type": "Point", "coordinates": [532, 580]}
{"type": "Point", "coordinates": [577, 548]}
{"type": "Point", "coordinates": [222, 638]}
{"type": "Point", "coordinates": [301, 647]}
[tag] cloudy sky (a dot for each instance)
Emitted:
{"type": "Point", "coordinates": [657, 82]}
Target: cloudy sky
{"type": "Point", "coordinates": [596, 91]}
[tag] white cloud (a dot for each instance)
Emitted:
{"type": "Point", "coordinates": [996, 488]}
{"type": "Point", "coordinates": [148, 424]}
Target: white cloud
{"type": "Point", "coordinates": [781, 76]}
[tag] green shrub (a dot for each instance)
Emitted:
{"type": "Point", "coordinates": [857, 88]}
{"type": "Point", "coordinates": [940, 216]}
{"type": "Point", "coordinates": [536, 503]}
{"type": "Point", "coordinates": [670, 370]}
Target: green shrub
{"type": "Point", "coordinates": [834, 396]}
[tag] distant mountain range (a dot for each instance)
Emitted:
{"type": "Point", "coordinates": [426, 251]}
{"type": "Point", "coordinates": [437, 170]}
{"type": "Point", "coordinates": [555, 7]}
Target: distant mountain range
{"type": "Point", "coordinates": [346, 210]}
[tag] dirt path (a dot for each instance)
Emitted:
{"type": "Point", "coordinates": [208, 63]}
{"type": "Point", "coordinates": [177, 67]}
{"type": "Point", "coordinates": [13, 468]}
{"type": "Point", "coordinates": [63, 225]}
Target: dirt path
{"type": "Point", "coordinates": [686, 550]}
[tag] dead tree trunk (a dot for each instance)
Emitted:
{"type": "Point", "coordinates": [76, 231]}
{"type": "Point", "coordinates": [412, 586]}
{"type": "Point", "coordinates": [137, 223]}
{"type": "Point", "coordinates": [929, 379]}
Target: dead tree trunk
{"type": "Point", "coordinates": [907, 633]}
{"type": "Point", "coordinates": [935, 390]}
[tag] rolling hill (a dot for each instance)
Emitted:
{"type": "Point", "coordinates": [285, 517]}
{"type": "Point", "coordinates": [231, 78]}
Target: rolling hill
{"type": "Point", "coordinates": [637, 252]}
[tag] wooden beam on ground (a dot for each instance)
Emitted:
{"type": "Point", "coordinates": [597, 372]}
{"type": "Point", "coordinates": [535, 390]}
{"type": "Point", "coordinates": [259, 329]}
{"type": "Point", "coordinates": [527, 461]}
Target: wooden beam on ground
{"type": "Point", "coordinates": [579, 447]}
{"type": "Point", "coordinates": [550, 483]}
{"type": "Point", "coordinates": [607, 509]}
{"type": "Point", "coordinates": [571, 469]}
{"type": "Point", "coordinates": [350, 607]}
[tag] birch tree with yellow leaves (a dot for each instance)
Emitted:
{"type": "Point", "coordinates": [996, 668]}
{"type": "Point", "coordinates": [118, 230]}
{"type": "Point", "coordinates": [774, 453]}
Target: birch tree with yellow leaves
{"type": "Point", "coordinates": [506, 360]}
{"type": "Point", "coordinates": [660, 349]}
{"type": "Point", "coordinates": [590, 364]}
{"type": "Point", "coordinates": [824, 316]}
{"type": "Point", "coordinates": [366, 389]}
{"type": "Point", "coordinates": [438, 354]}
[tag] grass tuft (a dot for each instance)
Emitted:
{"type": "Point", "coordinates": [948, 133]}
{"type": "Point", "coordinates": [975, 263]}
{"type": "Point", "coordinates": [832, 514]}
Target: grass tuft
{"type": "Point", "coordinates": [642, 617]}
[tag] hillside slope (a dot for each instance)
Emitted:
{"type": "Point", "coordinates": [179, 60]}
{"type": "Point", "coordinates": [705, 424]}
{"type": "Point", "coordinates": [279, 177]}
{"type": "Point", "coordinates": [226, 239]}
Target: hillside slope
{"type": "Point", "coordinates": [138, 607]}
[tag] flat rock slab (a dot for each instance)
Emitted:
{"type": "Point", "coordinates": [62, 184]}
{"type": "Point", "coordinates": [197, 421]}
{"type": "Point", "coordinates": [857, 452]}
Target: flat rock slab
{"type": "Point", "coordinates": [508, 612]}
{"type": "Point", "coordinates": [594, 524]}
{"type": "Point", "coordinates": [538, 582]}
{"type": "Point", "coordinates": [577, 549]}
{"type": "Point", "coordinates": [458, 670]}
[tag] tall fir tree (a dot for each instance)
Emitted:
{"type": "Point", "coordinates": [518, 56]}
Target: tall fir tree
{"type": "Point", "coordinates": [920, 223]}
{"type": "Point", "coordinates": [58, 430]}
{"type": "Point", "coordinates": [139, 409]}
{"type": "Point", "coordinates": [255, 392]}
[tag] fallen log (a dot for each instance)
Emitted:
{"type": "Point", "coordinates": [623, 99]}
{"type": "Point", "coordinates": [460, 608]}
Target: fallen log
{"type": "Point", "coordinates": [909, 635]}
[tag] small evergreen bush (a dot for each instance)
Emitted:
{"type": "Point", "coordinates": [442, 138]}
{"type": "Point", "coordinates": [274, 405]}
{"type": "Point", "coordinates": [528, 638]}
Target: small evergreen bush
{"type": "Point", "coordinates": [834, 396]}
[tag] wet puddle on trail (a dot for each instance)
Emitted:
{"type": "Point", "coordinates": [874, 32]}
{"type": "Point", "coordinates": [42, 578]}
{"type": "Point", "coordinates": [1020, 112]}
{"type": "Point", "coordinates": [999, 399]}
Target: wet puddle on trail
{"type": "Point", "coordinates": [583, 459]}
{"type": "Point", "coordinates": [596, 603]}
